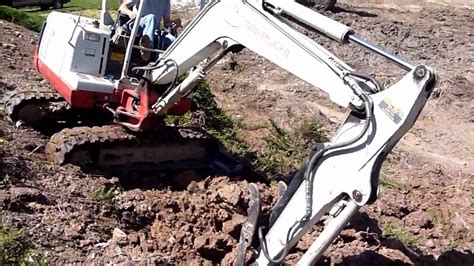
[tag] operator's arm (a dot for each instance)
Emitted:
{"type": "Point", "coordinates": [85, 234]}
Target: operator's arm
{"type": "Point", "coordinates": [126, 8]}
{"type": "Point", "coordinates": [167, 21]}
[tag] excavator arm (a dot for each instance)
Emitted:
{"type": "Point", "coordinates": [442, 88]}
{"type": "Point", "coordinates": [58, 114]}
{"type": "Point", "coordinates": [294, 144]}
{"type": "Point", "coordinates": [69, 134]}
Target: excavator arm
{"type": "Point", "coordinates": [340, 176]}
{"type": "Point", "coordinates": [222, 25]}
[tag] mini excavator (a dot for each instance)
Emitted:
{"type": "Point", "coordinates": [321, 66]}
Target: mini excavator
{"type": "Point", "coordinates": [93, 68]}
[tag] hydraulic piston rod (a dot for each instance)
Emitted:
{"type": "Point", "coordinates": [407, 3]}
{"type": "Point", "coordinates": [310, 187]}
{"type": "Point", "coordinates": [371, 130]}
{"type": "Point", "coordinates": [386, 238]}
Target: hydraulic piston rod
{"type": "Point", "coordinates": [395, 59]}
{"type": "Point", "coordinates": [325, 25]}
{"type": "Point", "coordinates": [332, 28]}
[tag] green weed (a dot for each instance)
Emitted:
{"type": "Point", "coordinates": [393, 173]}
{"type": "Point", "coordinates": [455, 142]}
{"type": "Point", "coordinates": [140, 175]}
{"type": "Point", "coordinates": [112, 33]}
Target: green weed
{"type": "Point", "coordinates": [402, 234]}
{"type": "Point", "coordinates": [104, 194]}
{"type": "Point", "coordinates": [14, 250]}
{"type": "Point", "coordinates": [3, 141]}
{"type": "Point", "coordinates": [39, 162]}
{"type": "Point", "coordinates": [453, 244]}
{"type": "Point", "coordinates": [440, 216]}
{"type": "Point", "coordinates": [5, 182]}
{"type": "Point", "coordinates": [182, 120]}
{"type": "Point", "coordinates": [387, 182]}
{"type": "Point", "coordinates": [286, 149]}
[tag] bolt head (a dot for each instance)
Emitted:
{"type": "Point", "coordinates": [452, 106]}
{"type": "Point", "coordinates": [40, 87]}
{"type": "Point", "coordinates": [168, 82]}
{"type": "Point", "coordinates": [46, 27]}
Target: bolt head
{"type": "Point", "coordinates": [357, 195]}
{"type": "Point", "coordinates": [420, 72]}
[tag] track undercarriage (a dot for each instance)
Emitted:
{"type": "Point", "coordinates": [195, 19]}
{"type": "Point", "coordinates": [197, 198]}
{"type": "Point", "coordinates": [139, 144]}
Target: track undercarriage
{"type": "Point", "coordinates": [88, 139]}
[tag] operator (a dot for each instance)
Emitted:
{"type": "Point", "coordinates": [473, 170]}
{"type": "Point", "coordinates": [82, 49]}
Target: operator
{"type": "Point", "coordinates": [149, 24]}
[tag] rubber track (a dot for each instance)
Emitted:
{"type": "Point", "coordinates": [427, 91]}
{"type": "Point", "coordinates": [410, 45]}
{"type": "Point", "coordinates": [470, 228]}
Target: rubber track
{"type": "Point", "coordinates": [19, 97]}
{"type": "Point", "coordinates": [69, 140]}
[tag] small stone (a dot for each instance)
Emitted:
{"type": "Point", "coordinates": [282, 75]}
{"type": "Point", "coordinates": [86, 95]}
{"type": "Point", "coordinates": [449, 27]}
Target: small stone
{"type": "Point", "coordinates": [119, 236]}
{"type": "Point", "coordinates": [85, 242]}
{"type": "Point", "coordinates": [9, 45]}
{"type": "Point", "coordinates": [24, 194]}
{"type": "Point", "coordinates": [150, 245]}
{"type": "Point", "coordinates": [231, 193]}
{"type": "Point", "coordinates": [185, 178]}
{"type": "Point", "coordinates": [233, 226]}
{"type": "Point", "coordinates": [200, 241]}
{"type": "Point", "coordinates": [73, 231]}
{"type": "Point", "coordinates": [4, 198]}
{"type": "Point", "coordinates": [429, 243]}
{"type": "Point", "coordinates": [127, 206]}
{"type": "Point", "coordinates": [192, 187]}
{"type": "Point", "coordinates": [133, 238]}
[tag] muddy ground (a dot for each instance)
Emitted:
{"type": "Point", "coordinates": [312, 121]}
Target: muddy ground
{"type": "Point", "coordinates": [424, 214]}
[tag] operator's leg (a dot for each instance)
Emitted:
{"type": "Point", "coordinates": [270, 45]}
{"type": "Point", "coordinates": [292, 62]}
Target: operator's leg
{"type": "Point", "coordinates": [148, 25]}
{"type": "Point", "coordinates": [166, 40]}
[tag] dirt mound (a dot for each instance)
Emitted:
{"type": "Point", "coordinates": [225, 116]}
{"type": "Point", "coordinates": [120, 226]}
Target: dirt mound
{"type": "Point", "coordinates": [424, 214]}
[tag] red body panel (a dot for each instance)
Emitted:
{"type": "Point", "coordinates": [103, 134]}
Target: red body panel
{"type": "Point", "coordinates": [77, 98]}
{"type": "Point", "coordinates": [88, 100]}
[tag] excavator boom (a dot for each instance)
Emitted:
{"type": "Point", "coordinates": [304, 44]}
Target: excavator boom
{"type": "Point", "coordinates": [340, 176]}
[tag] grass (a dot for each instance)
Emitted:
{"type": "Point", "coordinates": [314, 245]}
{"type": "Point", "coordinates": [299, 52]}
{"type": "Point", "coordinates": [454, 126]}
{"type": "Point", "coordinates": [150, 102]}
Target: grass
{"type": "Point", "coordinates": [5, 181]}
{"type": "Point", "coordinates": [402, 234]}
{"type": "Point", "coordinates": [31, 21]}
{"type": "Point", "coordinates": [453, 244]}
{"type": "Point", "coordinates": [3, 141]}
{"type": "Point", "coordinates": [443, 218]}
{"type": "Point", "coordinates": [39, 162]}
{"type": "Point", "coordinates": [33, 17]}
{"type": "Point", "coordinates": [388, 182]}
{"type": "Point", "coordinates": [284, 149]}
{"type": "Point", "coordinates": [104, 194]}
{"type": "Point", "coordinates": [15, 250]}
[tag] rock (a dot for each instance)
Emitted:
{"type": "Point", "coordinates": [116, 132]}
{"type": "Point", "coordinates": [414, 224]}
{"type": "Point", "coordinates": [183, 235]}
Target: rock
{"type": "Point", "coordinates": [119, 236]}
{"type": "Point", "coordinates": [73, 231]}
{"type": "Point", "coordinates": [201, 241]}
{"type": "Point", "coordinates": [223, 241]}
{"type": "Point", "coordinates": [347, 235]}
{"type": "Point", "coordinates": [233, 226]}
{"type": "Point", "coordinates": [211, 245]}
{"type": "Point", "coordinates": [229, 258]}
{"type": "Point", "coordinates": [150, 245]}
{"type": "Point", "coordinates": [192, 187]}
{"type": "Point", "coordinates": [231, 193]}
{"type": "Point", "coordinates": [429, 243]}
{"type": "Point", "coordinates": [85, 242]}
{"type": "Point", "coordinates": [20, 195]}
{"type": "Point", "coordinates": [134, 238]}
{"type": "Point", "coordinates": [8, 45]}
{"type": "Point", "coordinates": [4, 199]}
{"type": "Point", "coordinates": [127, 206]}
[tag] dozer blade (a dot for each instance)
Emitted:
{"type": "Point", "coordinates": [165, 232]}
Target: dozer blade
{"type": "Point", "coordinates": [114, 149]}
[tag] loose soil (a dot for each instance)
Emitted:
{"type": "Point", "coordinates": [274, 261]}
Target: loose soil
{"type": "Point", "coordinates": [424, 214]}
